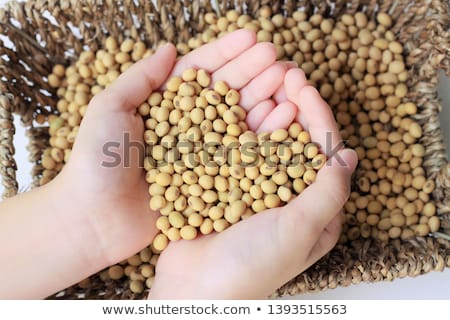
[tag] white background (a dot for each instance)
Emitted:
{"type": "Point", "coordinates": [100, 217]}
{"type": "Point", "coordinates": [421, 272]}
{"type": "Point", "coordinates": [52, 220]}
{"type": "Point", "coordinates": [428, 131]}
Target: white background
{"type": "Point", "coordinates": [224, 309]}
{"type": "Point", "coordinates": [435, 285]}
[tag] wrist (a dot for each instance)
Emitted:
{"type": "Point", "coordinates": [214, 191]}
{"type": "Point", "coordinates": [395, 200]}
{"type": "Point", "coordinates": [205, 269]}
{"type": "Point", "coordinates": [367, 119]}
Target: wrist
{"type": "Point", "coordinates": [63, 246]}
{"type": "Point", "coordinates": [105, 225]}
{"type": "Point", "coordinates": [73, 218]}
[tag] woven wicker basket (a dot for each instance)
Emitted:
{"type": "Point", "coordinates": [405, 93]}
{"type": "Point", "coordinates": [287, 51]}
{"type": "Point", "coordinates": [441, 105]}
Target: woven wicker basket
{"type": "Point", "coordinates": [39, 43]}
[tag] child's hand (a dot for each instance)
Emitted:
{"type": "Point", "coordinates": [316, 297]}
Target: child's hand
{"type": "Point", "coordinates": [91, 215]}
{"type": "Point", "coordinates": [255, 257]}
{"type": "Point", "coordinates": [113, 201]}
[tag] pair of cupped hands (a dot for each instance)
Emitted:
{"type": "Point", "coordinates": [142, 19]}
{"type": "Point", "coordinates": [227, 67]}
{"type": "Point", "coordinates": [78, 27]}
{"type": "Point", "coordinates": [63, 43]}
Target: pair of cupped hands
{"type": "Point", "coordinates": [250, 259]}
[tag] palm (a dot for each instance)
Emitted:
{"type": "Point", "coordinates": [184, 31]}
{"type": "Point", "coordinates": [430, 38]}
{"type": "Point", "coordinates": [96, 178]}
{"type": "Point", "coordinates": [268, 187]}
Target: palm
{"type": "Point", "coordinates": [117, 191]}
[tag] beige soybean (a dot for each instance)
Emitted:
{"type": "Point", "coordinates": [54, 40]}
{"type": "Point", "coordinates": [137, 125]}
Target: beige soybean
{"type": "Point", "coordinates": [272, 201]}
{"type": "Point", "coordinates": [203, 78]}
{"type": "Point", "coordinates": [160, 242]}
{"type": "Point", "coordinates": [176, 219]}
{"type": "Point", "coordinates": [220, 225]}
{"type": "Point", "coordinates": [188, 233]}
{"type": "Point", "coordinates": [284, 193]}
{"type": "Point", "coordinates": [279, 135]}
{"type": "Point", "coordinates": [221, 87]}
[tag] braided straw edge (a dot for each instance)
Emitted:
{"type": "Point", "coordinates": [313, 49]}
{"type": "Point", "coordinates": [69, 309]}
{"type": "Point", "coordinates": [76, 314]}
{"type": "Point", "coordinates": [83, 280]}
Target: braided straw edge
{"type": "Point", "coordinates": [8, 165]}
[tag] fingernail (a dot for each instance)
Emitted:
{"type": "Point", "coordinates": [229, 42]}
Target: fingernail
{"type": "Point", "coordinates": [291, 64]}
{"type": "Point", "coordinates": [164, 47]}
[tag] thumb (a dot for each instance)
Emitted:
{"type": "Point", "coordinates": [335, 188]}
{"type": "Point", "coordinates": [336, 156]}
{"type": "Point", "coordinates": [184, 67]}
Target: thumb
{"type": "Point", "coordinates": [276, 245]}
{"type": "Point", "coordinates": [303, 220]}
{"type": "Point", "coordinates": [136, 84]}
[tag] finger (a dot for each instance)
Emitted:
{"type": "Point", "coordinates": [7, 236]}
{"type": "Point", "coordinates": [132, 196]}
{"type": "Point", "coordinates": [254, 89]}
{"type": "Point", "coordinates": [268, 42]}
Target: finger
{"type": "Point", "coordinates": [306, 216]}
{"type": "Point", "coordinates": [280, 117]}
{"type": "Point", "coordinates": [239, 71]}
{"type": "Point", "coordinates": [262, 86]}
{"type": "Point", "coordinates": [214, 55]}
{"type": "Point", "coordinates": [294, 80]}
{"type": "Point", "coordinates": [314, 113]}
{"type": "Point", "coordinates": [327, 240]}
{"type": "Point", "coordinates": [135, 85]}
{"type": "Point", "coordinates": [320, 120]}
{"type": "Point", "coordinates": [278, 242]}
{"type": "Point", "coordinates": [289, 64]}
{"type": "Point", "coordinates": [257, 115]}
{"type": "Point", "coordinates": [280, 95]}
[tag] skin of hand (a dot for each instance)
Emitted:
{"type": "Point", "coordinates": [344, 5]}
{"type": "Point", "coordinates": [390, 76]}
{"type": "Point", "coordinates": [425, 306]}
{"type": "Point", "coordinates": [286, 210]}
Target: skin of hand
{"type": "Point", "coordinates": [253, 258]}
{"type": "Point", "coordinates": [100, 215]}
